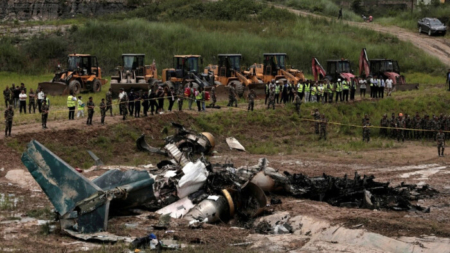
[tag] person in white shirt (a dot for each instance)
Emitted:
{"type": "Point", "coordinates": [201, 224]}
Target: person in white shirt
{"type": "Point", "coordinates": [40, 99]}
{"type": "Point", "coordinates": [383, 85]}
{"type": "Point", "coordinates": [23, 101]}
{"type": "Point", "coordinates": [362, 87]}
{"type": "Point", "coordinates": [389, 86]}
{"type": "Point", "coordinates": [80, 111]}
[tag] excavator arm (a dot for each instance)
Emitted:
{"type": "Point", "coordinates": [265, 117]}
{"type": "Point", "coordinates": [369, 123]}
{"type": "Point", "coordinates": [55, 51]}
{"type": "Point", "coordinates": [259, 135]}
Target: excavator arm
{"type": "Point", "coordinates": [290, 76]}
{"type": "Point", "coordinates": [364, 63]}
{"type": "Point", "coordinates": [243, 79]}
{"type": "Point", "coordinates": [317, 69]}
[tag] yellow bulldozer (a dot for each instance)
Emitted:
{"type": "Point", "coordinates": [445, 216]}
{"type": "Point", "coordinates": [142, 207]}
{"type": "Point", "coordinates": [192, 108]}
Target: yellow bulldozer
{"type": "Point", "coordinates": [82, 75]}
{"type": "Point", "coordinates": [133, 74]}
{"type": "Point", "coordinates": [274, 67]}
{"type": "Point", "coordinates": [227, 72]}
{"type": "Point", "coordinates": [185, 71]}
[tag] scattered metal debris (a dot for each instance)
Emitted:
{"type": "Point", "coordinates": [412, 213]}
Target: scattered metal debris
{"type": "Point", "coordinates": [97, 160]}
{"type": "Point", "coordinates": [234, 144]}
{"type": "Point", "coordinates": [186, 141]}
{"type": "Point", "coordinates": [199, 191]}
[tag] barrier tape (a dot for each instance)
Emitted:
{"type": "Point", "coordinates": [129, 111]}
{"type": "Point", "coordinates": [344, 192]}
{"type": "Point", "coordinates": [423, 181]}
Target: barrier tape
{"type": "Point", "coordinates": [237, 108]}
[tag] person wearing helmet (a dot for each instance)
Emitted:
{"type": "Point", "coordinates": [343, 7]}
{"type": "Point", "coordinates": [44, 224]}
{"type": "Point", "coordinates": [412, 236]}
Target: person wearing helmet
{"type": "Point", "coordinates": [384, 124]}
{"type": "Point", "coordinates": [440, 141]}
{"type": "Point", "coordinates": [400, 126]}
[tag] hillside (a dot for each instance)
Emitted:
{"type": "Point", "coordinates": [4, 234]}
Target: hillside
{"type": "Point", "coordinates": [207, 28]}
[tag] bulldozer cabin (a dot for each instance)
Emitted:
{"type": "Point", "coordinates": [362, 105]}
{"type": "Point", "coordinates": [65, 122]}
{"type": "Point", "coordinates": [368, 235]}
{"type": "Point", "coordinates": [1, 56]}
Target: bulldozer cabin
{"type": "Point", "coordinates": [133, 74]}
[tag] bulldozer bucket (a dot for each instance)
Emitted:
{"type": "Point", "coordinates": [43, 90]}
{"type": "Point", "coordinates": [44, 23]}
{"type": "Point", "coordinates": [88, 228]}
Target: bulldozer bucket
{"type": "Point", "coordinates": [115, 87]}
{"type": "Point", "coordinates": [54, 88]}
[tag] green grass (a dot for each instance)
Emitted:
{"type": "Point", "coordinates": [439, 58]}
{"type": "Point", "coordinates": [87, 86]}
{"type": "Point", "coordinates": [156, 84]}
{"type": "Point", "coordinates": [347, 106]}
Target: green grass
{"type": "Point", "coordinates": [283, 132]}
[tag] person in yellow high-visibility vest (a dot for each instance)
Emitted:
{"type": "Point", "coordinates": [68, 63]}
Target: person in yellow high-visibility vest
{"type": "Point", "coordinates": [199, 98]}
{"type": "Point", "coordinates": [300, 87]}
{"type": "Point", "coordinates": [345, 90]}
{"type": "Point", "coordinates": [338, 90]}
{"type": "Point", "coordinates": [307, 91]}
{"type": "Point", "coordinates": [277, 92]}
{"type": "Point", "coordinates": [71, 101]}
{"type": "Point", "coordinates": [314, 93]}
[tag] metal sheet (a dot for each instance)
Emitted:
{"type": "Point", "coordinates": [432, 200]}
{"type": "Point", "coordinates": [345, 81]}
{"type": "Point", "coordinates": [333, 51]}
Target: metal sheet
{"type": "Point", "coordinates": [177, 209]}
{"type": "Point", "coordinates": [234, 144]}
{"type": "Point", "coordinates": [176, 154]}
{"type": "Point", "coordinates": [195, 176]}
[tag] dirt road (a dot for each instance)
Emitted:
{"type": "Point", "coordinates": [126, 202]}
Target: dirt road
{"type": "Point", "coordinates": [438, 47]}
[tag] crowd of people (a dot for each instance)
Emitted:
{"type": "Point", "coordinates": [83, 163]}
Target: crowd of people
{"type": "Point", "coordinates": [406, 126]}
{"type": "Point", "coordinates": [400, 127]}
{"type": "Point", "coordinates": [326, 91]}
{"type": "Point", "coordinates": [17, 96]}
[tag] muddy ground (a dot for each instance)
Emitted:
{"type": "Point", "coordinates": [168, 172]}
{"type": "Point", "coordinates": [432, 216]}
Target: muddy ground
{"type": "Point", "coordinates": [24, 204]}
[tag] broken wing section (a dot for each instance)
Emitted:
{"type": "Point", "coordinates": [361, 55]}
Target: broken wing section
{"type": "Point", "coordinates": [135, 186]}
{"type": "Point", "coordinates": [62, 184]}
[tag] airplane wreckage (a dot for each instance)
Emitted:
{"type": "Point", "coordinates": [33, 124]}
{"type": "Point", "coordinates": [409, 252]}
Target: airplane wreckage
{"type": "Point", "coordinates": [195, 189]}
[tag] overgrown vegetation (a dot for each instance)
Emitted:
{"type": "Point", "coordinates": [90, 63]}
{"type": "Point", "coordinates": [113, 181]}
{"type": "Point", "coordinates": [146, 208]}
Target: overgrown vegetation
{"type": "Point", "coordinates": [324, 7]}
{"type": "Point", "coordinates": [208, 29]}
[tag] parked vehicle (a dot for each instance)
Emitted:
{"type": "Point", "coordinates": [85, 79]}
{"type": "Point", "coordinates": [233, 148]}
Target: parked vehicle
{"type": "Point", "coordinates": [431, 26]}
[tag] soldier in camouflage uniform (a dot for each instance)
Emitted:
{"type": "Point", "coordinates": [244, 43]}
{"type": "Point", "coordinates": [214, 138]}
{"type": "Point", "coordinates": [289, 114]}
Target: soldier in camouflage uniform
{"type": "Point", "coordinates": [7, 96]}
{"type": "Point", "coordinates": [213, 96]}
{"type": "Point", "coordinates": [366, 130]}
{"type": "Point", "coordinates": [9, 115]}
{"type": "Point", "coordinates": [392, 123]}
{"type": "Point", "coordinates": [384, 123]}
{"type": "Point", "coordinates": [297, 102]}
{"type": "Point", "coordinates": [400, 125]}
{"type": "Point", "coordinates": [440, 139]}
{"type": "Point", "coordinates": [251, 99]}
{"type": "Point", "coordinates": [90, 106]}
{"type": "Point", "coordinates": [316, 116]}
{"type": "Point", "coordinates": [364, 120]}
{"type": "Point", "coordinates": [44, 112]}
{"type": "Point", "coordinates": [417, 124]}
{"type": "Point", "coordinates": [109, 101]}
{"type": "Point", "coordinates": [431, 127]}
{"type": "Point", "coordinates": [232, 96]}
{"type": "Point", "coordinates": [31, 101]}
{"type": "Point", "coordinates": [103, 107]}
{"type": "Point", "coordinates": [323, 127]}
{"type": "Point", "coordinates": [271, 98]}
{"type": "Point", "coordinates": [425, 120]}
{"type": "Point", "coordinates": [437, 126]}
{"type": "Point", "coordinates": [407, 126]}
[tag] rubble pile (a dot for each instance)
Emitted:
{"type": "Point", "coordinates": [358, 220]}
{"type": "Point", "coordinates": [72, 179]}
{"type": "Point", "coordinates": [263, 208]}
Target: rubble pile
{"type": "Point", "coordinates": [198, 191]}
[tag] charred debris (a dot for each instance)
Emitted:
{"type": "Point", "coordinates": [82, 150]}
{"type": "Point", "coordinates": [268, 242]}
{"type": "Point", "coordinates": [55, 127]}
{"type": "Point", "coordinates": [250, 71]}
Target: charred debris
{"type": "Point", "coordinates": [188, 186]}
